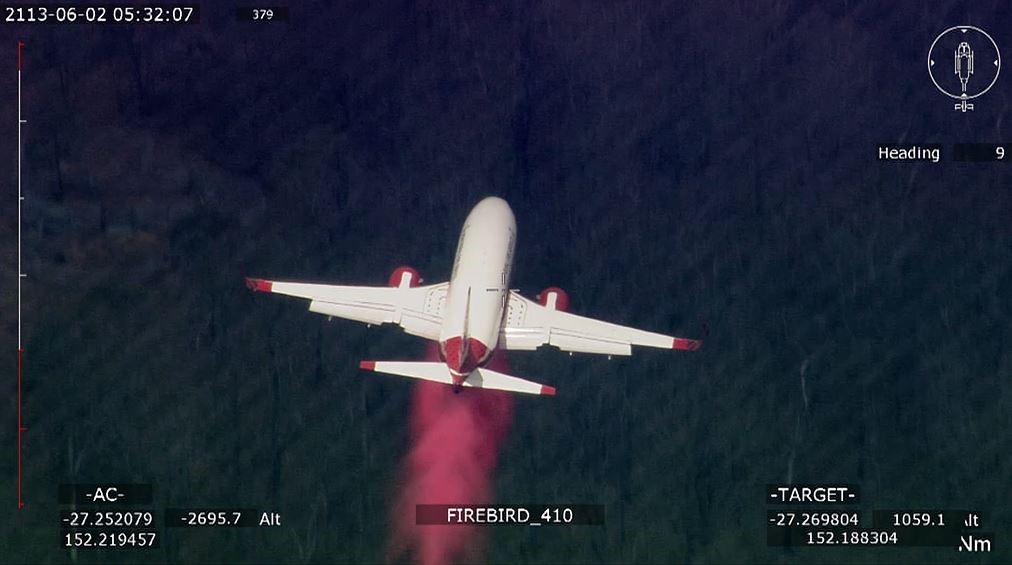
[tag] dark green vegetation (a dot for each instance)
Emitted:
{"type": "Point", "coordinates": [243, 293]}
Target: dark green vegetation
{"type": "Point", "coordinates": [668, 165]}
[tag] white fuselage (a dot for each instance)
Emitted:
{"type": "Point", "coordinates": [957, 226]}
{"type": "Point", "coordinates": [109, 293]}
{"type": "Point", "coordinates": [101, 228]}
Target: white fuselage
{"type": "Point", "coordinates": [479, 288]}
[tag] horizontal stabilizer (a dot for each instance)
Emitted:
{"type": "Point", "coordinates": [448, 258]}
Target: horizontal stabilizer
{"type": "Point", "coordinates": [440, 373]}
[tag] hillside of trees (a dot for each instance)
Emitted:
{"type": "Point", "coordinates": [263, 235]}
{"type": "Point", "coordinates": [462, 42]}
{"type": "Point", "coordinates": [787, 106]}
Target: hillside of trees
{"type": "Point", "coordinates": [698, 169]}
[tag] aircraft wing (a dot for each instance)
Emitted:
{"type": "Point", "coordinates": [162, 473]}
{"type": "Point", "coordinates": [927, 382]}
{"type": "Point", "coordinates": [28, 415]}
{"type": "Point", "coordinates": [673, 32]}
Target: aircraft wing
{"type": "Point", "coordinates": [529, 325]}
{"type": "Point", "coordinates": [419, 310]}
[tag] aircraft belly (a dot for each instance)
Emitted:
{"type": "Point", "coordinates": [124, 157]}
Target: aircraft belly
{"type": "Point", "coordinates": [480, 278]}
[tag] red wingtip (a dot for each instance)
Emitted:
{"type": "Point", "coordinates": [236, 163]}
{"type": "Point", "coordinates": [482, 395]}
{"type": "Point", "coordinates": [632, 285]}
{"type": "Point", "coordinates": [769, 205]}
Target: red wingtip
{"type": "Point", "coordinates": [258, 285]}
{"type": "Point", "coordinates": [548, 390]}
{"type": "Point", "coordinates": [367, 365]}
{"type": "Point", "coordinates": [685, 344]}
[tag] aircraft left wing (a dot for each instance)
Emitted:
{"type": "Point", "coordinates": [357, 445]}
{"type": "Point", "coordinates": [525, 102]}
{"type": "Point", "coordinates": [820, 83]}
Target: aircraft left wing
{"type": "Point", "coordinates": [419, 310]}
{"type": "Point", "coordinates": [529, 325]}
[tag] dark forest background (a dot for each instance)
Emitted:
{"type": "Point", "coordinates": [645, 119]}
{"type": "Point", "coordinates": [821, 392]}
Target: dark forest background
{"type": "Point", "coordinates": [673, 166]}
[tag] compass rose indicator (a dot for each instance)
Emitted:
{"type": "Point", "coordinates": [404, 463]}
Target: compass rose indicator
{"type": "Point", "coordinates": [963, 63]}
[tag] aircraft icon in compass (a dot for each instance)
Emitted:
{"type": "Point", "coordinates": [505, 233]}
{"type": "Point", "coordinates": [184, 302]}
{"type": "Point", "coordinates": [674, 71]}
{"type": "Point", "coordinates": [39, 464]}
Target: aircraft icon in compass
{"type": "Point", "coordinates": [964, 63]}
{"type": "Point", "coordinates": [976, 63]}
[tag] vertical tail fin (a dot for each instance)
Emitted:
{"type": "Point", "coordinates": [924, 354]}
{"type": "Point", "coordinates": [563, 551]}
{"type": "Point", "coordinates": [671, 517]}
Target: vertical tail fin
{"type": "Point", "coordinates": [462, 352]}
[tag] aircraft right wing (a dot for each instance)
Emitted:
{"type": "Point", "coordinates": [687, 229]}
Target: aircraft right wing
{"type": "Point", "coordinates": [529, 325]}
{"type": "Point", "coordinates": [419, 310]}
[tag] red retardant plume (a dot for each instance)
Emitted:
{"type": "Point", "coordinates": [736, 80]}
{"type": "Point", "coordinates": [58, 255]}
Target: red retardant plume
{"type": "Point", "coordinates": [454, 445]}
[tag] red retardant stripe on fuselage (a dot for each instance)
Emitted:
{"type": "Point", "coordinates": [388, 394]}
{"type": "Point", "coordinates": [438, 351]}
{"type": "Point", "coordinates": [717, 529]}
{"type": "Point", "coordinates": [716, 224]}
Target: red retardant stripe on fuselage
{"type": "Point", "coordinates": [477, 354]}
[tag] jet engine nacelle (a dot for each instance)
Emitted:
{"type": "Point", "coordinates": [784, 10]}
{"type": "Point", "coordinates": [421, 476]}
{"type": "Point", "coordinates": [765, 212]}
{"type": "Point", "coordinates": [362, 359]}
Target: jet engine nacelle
{"type": "Point", "coordinates": [554, 298]}
{"type": "Point", "coordinates": [404, 276]}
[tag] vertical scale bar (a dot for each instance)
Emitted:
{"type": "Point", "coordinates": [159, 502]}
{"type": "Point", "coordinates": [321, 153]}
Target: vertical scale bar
{"type": "Point", "coordinates": [21, 275]}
